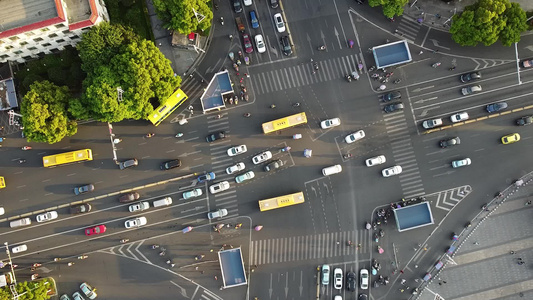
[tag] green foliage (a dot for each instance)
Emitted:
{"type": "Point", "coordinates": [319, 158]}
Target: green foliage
{"type": "Point", "coordinates": [114, 57]}
{"type": "Point", "coordinates": [29, 80]}
{"type": "Point", "coordinates": [179, 14]}
{"type": "Point", "coordinates": [132, 14]}
{"type": "Point", "coordinates": [30, 290]}
{"type": "Point", "coordinates": [57, 75]}
{"type": "Point", "coordinates": [391, 8]}
{"type": "Point", "coordinates": [45, 115]}
{"type": "Point", "coordinates": [488, 21]}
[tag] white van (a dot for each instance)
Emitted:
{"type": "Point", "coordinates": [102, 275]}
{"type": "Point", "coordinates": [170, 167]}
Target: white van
{"type": "Point", "coordinates": [163, 202]}
{"type": "Point", "coordinates": [332, 170]}
{"type": "Point", "coordinates": [19, 248]}
{"type": "Point", "coordinates": [20, 222]}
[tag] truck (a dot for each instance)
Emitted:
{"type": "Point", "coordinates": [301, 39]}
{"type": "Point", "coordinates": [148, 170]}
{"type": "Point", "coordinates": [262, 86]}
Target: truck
{"type": "Point", "coordinates": [240, 24]}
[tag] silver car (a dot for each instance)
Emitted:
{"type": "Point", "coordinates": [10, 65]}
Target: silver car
{"type": "Point", "coordinates": [246, 176]}
{"type": "Point", "coordinates": [217, 214]}
{"type": "Point", "coordinates": [192, 194]}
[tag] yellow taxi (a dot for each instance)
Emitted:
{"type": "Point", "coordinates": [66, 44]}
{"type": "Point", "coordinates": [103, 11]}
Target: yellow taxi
{"type": "Point", "coordinates": [2, 182]}
{"type": "Point", "coordinates": [510, 138]}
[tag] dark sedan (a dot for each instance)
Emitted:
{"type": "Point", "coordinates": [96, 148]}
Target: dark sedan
{"type": "Point", "coordinates": [171, 164]}
{"type": "Point", "coordinates": [396, 106]}
{"type": "Point", "coordinates": [129, 197]}
{"type": "Point", "coordinates": [391, 96]}
{"type": "Point", "coordinates": [526, 120]}
{"type": "Point", "coordinates": [248, 48]}
{"type": "Point", "coordinates": [496, 107]}
{"type": "Point", "coordinates": [470, 76]}
{"type": "Point", "coordinates": [215, 136]}
{"type": "Point", "coordinates": [449, 142]}
{"type": "Point", "coordinates": [351, 282]}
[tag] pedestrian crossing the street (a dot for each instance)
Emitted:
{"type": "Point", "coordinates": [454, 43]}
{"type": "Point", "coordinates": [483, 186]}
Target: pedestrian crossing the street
{"type": "Point", "coordinates": [303, 74]}
{"type": "Point", "coordinates": [403, 153]}
{"type": "Point", "coordinates": [308, 247]}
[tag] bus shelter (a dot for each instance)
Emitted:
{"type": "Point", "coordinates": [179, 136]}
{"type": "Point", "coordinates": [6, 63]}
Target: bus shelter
{"type": "Point", "coordinates": [232, 267]}
{"type": "Point", "coordinates": [219, 88]}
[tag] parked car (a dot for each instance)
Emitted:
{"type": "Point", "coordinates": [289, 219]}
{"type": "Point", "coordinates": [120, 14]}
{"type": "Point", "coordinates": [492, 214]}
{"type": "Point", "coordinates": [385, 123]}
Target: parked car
{"type": "Point", "coordinates": [510, 138]}
{"type": "Point", "coordinates": [253, 19]}
{"type": "Point", "coordinates": [394, 170]}
{"type": "Point", "coordinates": [354, 136]}
{"type": "Point", "coordinates": [279, 24]}
{"type": "Point", "coordinates": [47, 216]}
{"type": "Point", "coordinates": [329, 123]}
{"type": "Point", "coordinates": [260, 43]}
{"type": "Point", "coordinates": [449, 142]}
{"type": "Point", "coordinates": [496, 107]}
{"type": "Point", "coordinates": [470, 76]}
{"type": "Point", "coordinates": [77, 296]}
{"type": "Point", "coordinates": [428, 124]}
{"type": "Point", "coordinates": [98, 229]}
{"type": "Point", "coordinates": [235, 168]}
{"type": "Point", "coordinates": [192, 194]}
{"type": "Point", "coordinates": [262, 157]}
{"type": "Point", "coordinates": [206, 177]}
{"type": "Point", "coordinates": [247, 43]}
{"type": "Point", "coordinates": [217, 214]}
{"type": "Point", "coordinates": [137, 222]}
{"type": "Point", "coordinates": [350, 281]}
{"type": "Point", "coordinates": [286, 45]}
{"type": "Point", "coordinates": [337, 275]}
{"type": "Point", "coordinates": [140, 206]}
{"type": "Point", "coordinates": [461, 163]}
{"type": "Point", "coordinates": [215, 136]}
{"type": "Point", "coordinates": [471, 90]}
{"type": "Point", "coordinates": [219, 187]}
{"type": "Point", "coordinates": [392, 95]}
{"type": "Point", "coordinates": [325, 274]}
{"type": "Point", "coordinates": [64, 297]}
{"type": "Point", "coordinates": [81, 208]}
{"type": "Point", "coordinates": [88, 290]}
{"type": "Point", "coordinates": [458, 117]}
{"type": "Point", "coordinates": [392, 107]}
{"type": "Point", "coordinates": [246, 176]}
{"type": "Point", "coordinates": [84, 189]}
{"type": "Point", "coordinates": [373, 161]}
{"type": "Point", "coordinates": [237, 150]}
{"type": "Point", "coordinates": [171, 164]}
{"type": "Point", "coordinates": [363, 277]}
{"type": "Point", "coordinates": [273, 165]}
{"type": "Point", "coordinates": [128, 163]}
{"type": "Point", "coordinates": [528, 63]}
{"type": "Point", "coordinates": [129, 197]}
{"type": "Point", "coordinates": [526, 120]}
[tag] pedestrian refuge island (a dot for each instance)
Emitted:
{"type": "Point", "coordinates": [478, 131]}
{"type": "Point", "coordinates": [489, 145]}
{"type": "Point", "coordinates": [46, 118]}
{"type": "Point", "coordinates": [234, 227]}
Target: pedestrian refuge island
{"type": "Point", "coordinates": [232, 267]}
{"type": "Point", "coordinates": [219, 88]}
{"type": "Point", "coordinates": [413, 216]}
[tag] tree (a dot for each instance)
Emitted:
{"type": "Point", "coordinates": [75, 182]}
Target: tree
{"type": "Point", "coordinates": [45, 114]}
{"type": "Point", "coordinates": [179, 15]}
{"type": "Point", "coordinates": [488, 21]}
{"type": "Point", "coordinates": [115, 58]}
{"type": "Point", "coordinates": [391, 8]}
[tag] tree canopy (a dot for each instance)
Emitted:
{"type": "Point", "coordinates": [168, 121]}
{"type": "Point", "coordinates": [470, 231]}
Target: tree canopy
{"type": "Point", "coordinates": [117, 62]}
{"type": "Point", "coordinates": [44, 109]}
{"type": "Point", "coordinates": [391, 8]}
{"type": "Point", "coordinates": [179, 14]}
{"type": "Point", "coordinates": [30, 290]}
{"type": "Point", "coordinates": [488, 21]}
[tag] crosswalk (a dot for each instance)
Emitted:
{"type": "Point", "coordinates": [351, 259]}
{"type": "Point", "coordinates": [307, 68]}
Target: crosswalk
{"type": "Point", "coordinates": [408, 28]}
{"type": "Point", "coordinates": [302, 74]}
{"type": "Point", "coordinates": [403, 153]}
{"type": "Point", "coordinates": [307, 247]}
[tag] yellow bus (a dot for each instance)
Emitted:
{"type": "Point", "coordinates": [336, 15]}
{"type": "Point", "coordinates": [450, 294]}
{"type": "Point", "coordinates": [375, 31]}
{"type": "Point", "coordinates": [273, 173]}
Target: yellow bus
{"type": "Point", "coordinates": [281, 201]}
{"type": "Point", "coordinates": [67, 158]}
{"type": "Point", "coordinates": [284, 123]}
{"type": "Point", "coordinates": [2, 182]}
{"type": "Point", "coordinates": [168, 107]}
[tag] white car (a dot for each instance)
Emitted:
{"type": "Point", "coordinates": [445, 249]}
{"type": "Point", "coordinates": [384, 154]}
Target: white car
{"type": "Point", "coordinates": [137, 222]}
{"type": "Point", "coordinates": [329, 123]}
{"type": "Point", "coordinates": [19, 248]}
{"type": "Point", "coordinates": [77, 296]}
{"type": "Point", "coordinates": [394, 170]}
{"type": "Point", "coordinates": [260, 43]}
{"type": "Point", "coordinates": [337, 276]}
{"type": "Point", "coordinates": [219, 187]}
{"type": "Point", "coordinates": [47, 216]}
{"type": "Point", "coordinates": [192, 194]}
{"type": "Point", "coordinates": [325, 274]}
{"type": "Point", "coordinates": [247, 2]}
{"type": "Point", "coordinates": [139, 206]}
{"type": "Point", "coordinates": [237, 150]}
{"type": "Point", "coordinates": [235, 168]}
{"type": "Point", "coordinates": [378, 160]}
{"type": "Point", "coordinates": [280, 25]}
{"type": "Point", "coordinates": [461, 163]}
{"type": "Point", "coordinates": [355, 136]}
{"type": "Point", "coordinates": [217, 214]}
{"type": "Point", "coordinates": [363, 277]}
{"type": "Point", "coordinates": [246, 176]}
{"type": "Point", "coordinates": [458, 117]}
{"type": "Point", "coordinates": [262, 157]}
{"type": "Point", "coordinates": [428, 124]}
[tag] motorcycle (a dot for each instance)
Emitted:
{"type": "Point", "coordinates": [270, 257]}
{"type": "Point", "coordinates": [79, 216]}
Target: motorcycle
{"type": "Point", "coordinates": [36, 265]}
{"type": "Point", "coordinates": [397, 81]}
{"type": "Point", "coordinates": [222, 20]}
{"type": "Point", "coordinates": [350, 43]}
{"type": "Point", "coordinates": [26, 148]}
{"type": "Point", "coordinates": [247, 115]}
{"type": "Point", "coordinates": [123, 241]}
{"type": "Point", "coordinates": [315, 65]}
{"type": "Point", "coordinates": [345, 156]}
{"type": "Point", "coordinates": [155, 246]}
{"type": "Point", "coordinates": [258, 227]}
{"type": "Point", "coordinates": [236, 67]}
{"type": "Point", "coordinates": [376, 237]}
{"type": "Point", "coordinates": [240, 54]}
{"type": "Point", "coordinates": [286, 149]}
{"type": "Point", "coordinates": [149, 135]}
{"type": "Point", "coordinates": [435, 64]}
{"type": "Point", "coordinates": [247, 60]}
{"type": "Point", "coordinates": [34, 276]}
{"type": "Point", "coordinates": [231, 55]}
{"type": "Point", "coordinates": [246, 97]}
{"type": "Point", "coordinates": [381, 233]}
{"type": "Point", "coordinates": [82, 257]}
{"type": "Point", "coordinates": [322, 48]}
{"type": "Point", "coordinates": [368, 226]}
{"type": "Point", "coordinates": [349, 78]}
{"type": "Point", "coordinates": [180, 134]}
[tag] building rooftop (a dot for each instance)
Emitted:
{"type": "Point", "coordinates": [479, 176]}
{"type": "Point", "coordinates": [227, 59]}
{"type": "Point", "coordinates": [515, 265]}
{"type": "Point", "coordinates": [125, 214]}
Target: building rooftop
{"type": "Point", "coordinates": [18, 13]}
{"type": "Point", "coordinates": [78, 10]}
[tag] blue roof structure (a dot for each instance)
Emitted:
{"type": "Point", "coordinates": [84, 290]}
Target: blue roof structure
{"type": "Point", "coordinates": [218, 87]}
{"type": "Point", "coordinates": [413, 216]}
{"type": "Point", "coordinates": [391, 54]}
{"type": "Point", "coordinates": [232, 267]}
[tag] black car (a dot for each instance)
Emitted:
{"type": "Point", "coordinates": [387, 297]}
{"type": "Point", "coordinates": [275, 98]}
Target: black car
{"type": "Point", "coordinates": [391, 96]}
{"type": "Point", "coordinates": [396, 106]}
{"type": "Point", "coordinates": [470, 76]}
{"type": "Point", "coordinates": [450, 142]}
{"type": "Point", "coordinates": [237, 6]}
{"type": "Point", "coordinates": [286, 45]}
{"type": "Point", "coordinates": [274, 165]}
{"type": "Point", "coordinates": [526, 120]}
{"type": "Point", "coordinates": [215, 136]}
{"type": "Point", "coordinates": [79, 209]}
{"type": "Point", "coordinates": [274, 3]}
{"type": "Point", "coordinates": [171, 164]}
{"type": "Point", "coordinates": [496, 107]}
{"type": "Point", "coordinates": [363, 297]}
{"type": "Point", "coordinates": [350, 281]}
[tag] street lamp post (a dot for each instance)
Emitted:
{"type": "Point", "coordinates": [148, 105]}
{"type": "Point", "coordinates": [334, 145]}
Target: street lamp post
{"type": "Point", "coordinates": [14, 283]}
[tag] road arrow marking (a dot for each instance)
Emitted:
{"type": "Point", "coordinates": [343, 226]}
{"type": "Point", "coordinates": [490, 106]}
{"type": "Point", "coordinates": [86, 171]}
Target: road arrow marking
{"type": "Point", "coordinates": [436, 44]}
{"type": "Point", "coordinates": [424, 88]}
{"type": "Point", "coordinates": [425, 100]}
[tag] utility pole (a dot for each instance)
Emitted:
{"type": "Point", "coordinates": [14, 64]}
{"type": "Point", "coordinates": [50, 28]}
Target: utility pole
{"type": "Point", "coordinates": [112, 138]}
{"type": "Point", "coordinates": [13, 284]}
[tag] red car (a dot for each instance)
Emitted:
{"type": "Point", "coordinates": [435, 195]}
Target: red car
{"type": "Point", "coordinates": [95, 230]}
{"type": "Point", "coordinates": [247, 43]}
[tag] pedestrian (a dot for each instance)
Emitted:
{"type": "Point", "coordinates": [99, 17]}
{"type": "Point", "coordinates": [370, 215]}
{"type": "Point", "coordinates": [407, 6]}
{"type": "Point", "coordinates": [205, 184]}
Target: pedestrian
{"type": "Point", "coordinates": [476, 243]}
{"type": "Point", "coordinates": [420, 53]}
{"type": "Point", "coordinates": [159, 44]}
{"type": "Point", "coordinates": [172, 265]}
{"type": "Point", "coordinates": [512, 252]}
{"type": "Point", "coordinates": [338, 243]}
{"type": "Point", "coordinates": [440, 283]}
{"type": "Point", "coordinates": [401, 271]}
{"type": "Point", "coordinates": [521, 262]}
{"type": "Point", "coordinates": [216, 278]}
{"type": "Point", "coordinates": [444, 281]}
{"type": "Point", "coordinates": [358, 246]}
{"type": "Point", "coordinates": [168, 262]}
{"type": "Point", "coordinates": [196, 268]}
